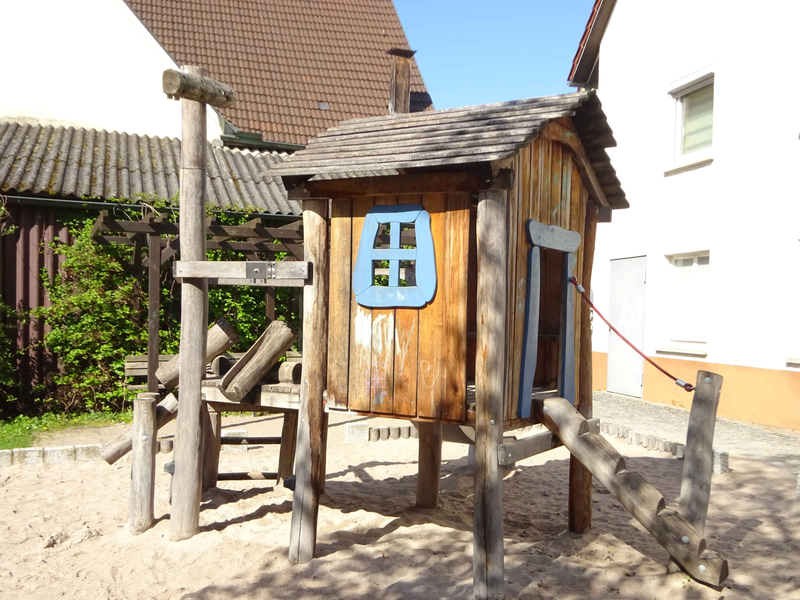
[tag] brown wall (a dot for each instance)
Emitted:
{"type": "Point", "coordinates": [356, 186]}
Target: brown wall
{"type": "Point", "coordinates": [765, 396]}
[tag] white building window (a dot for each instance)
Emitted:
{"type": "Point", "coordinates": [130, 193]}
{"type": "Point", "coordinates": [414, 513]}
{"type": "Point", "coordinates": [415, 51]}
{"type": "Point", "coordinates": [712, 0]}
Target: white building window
{"type": "Point", "coordinates": [694, 121]}
{"type": "Point", "coordinates": [691, 297]}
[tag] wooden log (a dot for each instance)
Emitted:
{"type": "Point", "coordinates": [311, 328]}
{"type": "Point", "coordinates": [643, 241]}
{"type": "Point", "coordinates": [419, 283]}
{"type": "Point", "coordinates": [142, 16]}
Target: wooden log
{"type": "Point", "coordinates": [430, 463]}
{"type": "Point", "coordinates": [143, 468]}
{"type": "Point", "coordinates": [273, 343]}
{"type": "Point", "coordinates": [153, 301]}
{"type": "Point", "coordinates": [698, 461]}
{"type": "Point", "coordinates": [487, 561]}
{"type": "Point", "coordinates": [642, 500]}
{"type": "Point", "coordinates": [288, 446]}
{"type": "Point", "coordinates": [250, 441]}
{"type": "Point", "coordinates": [251, 476]}
{"type": "Point", "coordinates": [509, 453]}
{"type": "Point", "coordinates": [400, 83]}
{"type": "Point", "coordinates": [220, 338]}
{"type": "Point", "coordinates": [187, 482]}
{"type": "Point", "coordinates": [290, 372]}
{"type": "Point", "coordinates": [312, 429]}
{"type": "Point", "coordinates": [580, 479]}
{"type": "Point", "coordinates": [212, 432]}
{"type": "Point", "coordinates": [193, 86]}
{"type": "Point", "coordinates": [166, 410]}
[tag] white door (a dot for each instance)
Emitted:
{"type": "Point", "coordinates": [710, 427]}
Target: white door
{"type": "Point", "coordinates": [626, 313]}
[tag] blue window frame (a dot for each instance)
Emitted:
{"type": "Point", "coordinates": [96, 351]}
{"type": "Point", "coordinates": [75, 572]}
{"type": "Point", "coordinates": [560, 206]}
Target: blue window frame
{"type": "Point", "coordinates": [394, 296]}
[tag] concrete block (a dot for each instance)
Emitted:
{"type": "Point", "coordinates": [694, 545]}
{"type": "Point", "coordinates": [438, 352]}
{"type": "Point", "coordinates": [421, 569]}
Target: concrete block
{"type": "Point", "coordinates": [394, 433]}
{"type": "Point", "coordinates": [405, 432]}
{"type": "Point", "coordinates": [414, 432]}
{"type": "Point", "coordinates": [356, 432]}
{"type": "Point", "coordinates": [644, 441]}
{"type": "Point", "coordinates": [59, 454]}
{"type": "Point", "coordinates": [720, 462]}
{"type": "Point", "coordinates": [384, 432]}
{"type": "Point", "coordinates": [28, 456]}
{"type": "Point", "coordinates": [680, 451]}
{"type": "Point", "coordinates": [166, 446]}
{"type": "Point", "coordinates": [603, 427]}
{"type": "Point", "coordinates": [662, 446]}
{"type": "Point", "coordinates": [88, 452]}
{"type": "Point", "coordinates": [6, 458]}
{"type": "Point", "coordinates": [374, 434]}
{"type": "Point", "coordinates": [234, 433]}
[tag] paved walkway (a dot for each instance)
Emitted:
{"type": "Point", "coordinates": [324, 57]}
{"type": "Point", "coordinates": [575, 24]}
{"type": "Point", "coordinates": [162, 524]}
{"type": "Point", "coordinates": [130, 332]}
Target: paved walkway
{"type": "Point", "coordinates": [738, 438]}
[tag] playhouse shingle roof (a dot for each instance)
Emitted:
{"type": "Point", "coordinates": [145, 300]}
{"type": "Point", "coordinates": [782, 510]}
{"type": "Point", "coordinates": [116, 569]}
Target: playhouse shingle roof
{"type": "Point", "coordinates": [285, 58]}
{"type": "Point", "coordinates": [69, 162]}
{"type": "Point", "coordinates": [467, 135]}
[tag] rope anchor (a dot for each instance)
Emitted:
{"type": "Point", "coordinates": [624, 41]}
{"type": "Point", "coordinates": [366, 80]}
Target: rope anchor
{"type": "Point", "coordinates": [679, 382]}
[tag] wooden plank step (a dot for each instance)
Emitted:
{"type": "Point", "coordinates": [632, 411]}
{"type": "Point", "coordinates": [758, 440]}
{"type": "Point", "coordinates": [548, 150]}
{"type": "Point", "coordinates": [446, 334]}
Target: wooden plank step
{"type": "Point", "coordinates": [249, 441]}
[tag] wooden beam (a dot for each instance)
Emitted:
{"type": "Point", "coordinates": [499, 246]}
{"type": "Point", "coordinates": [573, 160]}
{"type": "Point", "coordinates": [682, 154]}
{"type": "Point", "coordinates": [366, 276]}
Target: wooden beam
{"type": "Point", "coordinates": [189, 85]}
{"type": "Point", "coordinates": [212, 434]}
{"type": "Point", "coordinates": [487, 556]}
{"type": "Point", "coordinates": [429, 464]}
{"type": "Point", "coordinates": [698, 461]}
{"type": "Point", "coordinates": [509, 453]}
{"type": "Point", "coordinates": [400, 82]}
{"type": "Point", "coordinates": [288, 446]}
{"type": "Point", "coordinates": [235, 231]}
{"type": "Point", "coordinates": [143, 465]}
{"type": "Point", "coordinates": [187, 482]}
{"type": "Point", "coordinates": [241, 269]}
{"type": "Point", "coordinates": [312, 429]}
{"type": "Point", "coordinates": [122, 444]}
{"type": "Point", "coordinates": [559, 133]}
{"type": "Point", "coordinates": [153, 303]}
{"type": "Point", "coordinates": [552, 237]}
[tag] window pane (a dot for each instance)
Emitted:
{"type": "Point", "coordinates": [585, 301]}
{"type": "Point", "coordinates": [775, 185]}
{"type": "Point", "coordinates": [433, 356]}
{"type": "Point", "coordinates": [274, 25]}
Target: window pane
{"type": "Point", "coordinates": [698, 119]}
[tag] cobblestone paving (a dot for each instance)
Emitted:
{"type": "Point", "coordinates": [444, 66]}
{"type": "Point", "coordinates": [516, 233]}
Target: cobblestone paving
{"type": "Point", "coordinates": [738, 438]}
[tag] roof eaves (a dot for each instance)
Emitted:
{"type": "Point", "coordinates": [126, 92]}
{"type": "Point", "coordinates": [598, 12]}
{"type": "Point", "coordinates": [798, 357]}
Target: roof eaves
{"type": "Point", "coordinates": [588, 52]}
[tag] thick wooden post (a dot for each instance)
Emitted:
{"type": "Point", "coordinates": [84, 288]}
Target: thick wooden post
{"type": "Point", "coordinates": [153, 301]}
{"type": "Point", "coordinates": [487, 557]}
{"type": "Point", "coordinates": [288, 446]}
{"type": "Point", "coordinates": [430, 464]}
{"type": "Point", "coordinates": [143, 469]}
{"type": "Point", "coordinates": [400, 82]}
{"type": "Point", "coordinates": [187, 482]}
{"type": "Point", "coordinates": [311, 434]}
{"type": "Point", "coordinates": [212, 432]}
{"type": "Point", "coordinates": [580, 479]}
{"type": "Point", "coordinates": [698, 462]}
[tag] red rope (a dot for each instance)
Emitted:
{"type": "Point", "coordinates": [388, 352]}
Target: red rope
{"type": "Point", "coordinates": [686, 386]}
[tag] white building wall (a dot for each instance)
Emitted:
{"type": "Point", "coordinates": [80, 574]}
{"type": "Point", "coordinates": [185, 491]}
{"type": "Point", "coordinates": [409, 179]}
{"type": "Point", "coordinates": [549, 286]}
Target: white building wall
{"type": "Point", "coordinates": [86, 63]}
{"type": "Point", "coordinates": [745, 207]}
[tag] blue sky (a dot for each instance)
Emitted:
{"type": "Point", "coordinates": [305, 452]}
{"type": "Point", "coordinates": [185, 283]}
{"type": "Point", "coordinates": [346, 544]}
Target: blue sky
{"type": "Point", "coordinates": [479, 51]}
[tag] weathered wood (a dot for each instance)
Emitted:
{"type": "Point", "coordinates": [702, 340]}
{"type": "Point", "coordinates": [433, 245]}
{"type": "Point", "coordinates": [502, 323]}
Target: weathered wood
{"type": "Point", "coordinates": [339, 302]}
{"type": "Point", "coordinates": [237, 440]}
{"type": "Point", "coordinates": [245, 271]}
{"type": "Point", "coordinates": [312, 429]}
{"type": "Point", "coordinates": [552, 237]}
{"type": "Point", "coordinates": [642, 500]}
{"type": "Point", "coordinates": [166, 410]}
{"type": "Point", "coordinates": [468, 180]}
{"type": "Point", "coordinates": [290, 372]}
{"type": "Point", "coordinates": [288, 446]}
{"type": "Point", "coordinates": [360, 325]}
{"type": "Point", "coordinates": [698, 460]}
{"type": "Point", "coordinates": [400, 82]}
{"type": "Point", "coordinates": [220, 338]}
{"type": "Point", "coordinates": [143, 465]}
{"type": "Point", "coordinates": [430, 463]}
{"type": "Point", "coordinates": [382, 367]}
{"type": "Point", "coordinates": [187, 482]}
{"type": "Point", "coordinates": [153, 302]}
{"type": "Point", "coordinates": [509, 453]}
{"type": "Point", "coordinates": [197, 87]}
{"type": "Point", "coordinates": [212, 433]}
{"type": "Point", "coordinates": [251, 476]}
{"type": "Point", "coordinates": [566, 383]}
{"type": "Point", "coordinates": [531, 340]}
{"type": "Point", "coordinates": [273, 343]}
{"type": "Point", "coordinates": [487, 562]}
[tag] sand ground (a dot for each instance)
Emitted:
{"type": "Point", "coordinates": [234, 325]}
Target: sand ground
{"type": "Point", "coordinates": [63, 531]}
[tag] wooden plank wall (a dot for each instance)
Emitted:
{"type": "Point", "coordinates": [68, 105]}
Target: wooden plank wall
{"type": "Point", "coordinates": [548, 188]}
{"type": "Point", "coordinates": [401, 362]}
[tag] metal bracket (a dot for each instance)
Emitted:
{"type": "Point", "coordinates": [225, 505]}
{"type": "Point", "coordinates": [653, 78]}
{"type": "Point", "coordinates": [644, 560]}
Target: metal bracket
{"type": "Point", "coordinates": [260, 270]}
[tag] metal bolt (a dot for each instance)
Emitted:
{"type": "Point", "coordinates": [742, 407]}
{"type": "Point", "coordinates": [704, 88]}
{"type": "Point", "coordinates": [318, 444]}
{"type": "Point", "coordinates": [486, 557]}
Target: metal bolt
{"type": "Point", "coordinates": [685, 539]}
{"type": "Point", "coordinates": [509, 455]}
{"type": "Point", "coordinates": [144, 438]}
{"type": "Point", "coordinates": [492, 421]}
{"type": "Point", "coordinates": [707, 380]}
{"type": "Point", "coordinates": [255, 270]}
{"type": "Point", "coordinates": [302, 420]}
{"type": "Point", "coordinates": [545, 410]}
{"type": "Point", "coordinates": [702, 568]}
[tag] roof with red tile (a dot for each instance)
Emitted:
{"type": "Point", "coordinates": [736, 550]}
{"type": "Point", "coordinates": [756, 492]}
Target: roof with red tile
{"type": "Point", "coordinates": [285, 57]}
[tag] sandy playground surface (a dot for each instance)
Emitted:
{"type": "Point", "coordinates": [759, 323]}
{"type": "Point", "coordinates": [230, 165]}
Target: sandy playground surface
{"type": "Point", "coordinates": [63, 531]}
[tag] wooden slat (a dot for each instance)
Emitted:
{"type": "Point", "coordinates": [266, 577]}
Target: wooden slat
{"type": "Point", "coordinates": [566, 195]}
{"type": "Point", "coordinates": [430, 368]}
{"type": "Point", "coordinates": [512, 219]}
{"type": "Point", "coordinates": [361, 325]}
{"type": "Point", "coordinates": [339, 302]}
{"type": "Point", "coordinates": [544, 186]}
{"type": "Point", "coordinates": [555, 185]}
{"type": "Point", "coordinates": [455, 290]}
{"type": "Point", "coordinates": [382, 369]}
{"type": "Point", "coordinates": [406, 323]}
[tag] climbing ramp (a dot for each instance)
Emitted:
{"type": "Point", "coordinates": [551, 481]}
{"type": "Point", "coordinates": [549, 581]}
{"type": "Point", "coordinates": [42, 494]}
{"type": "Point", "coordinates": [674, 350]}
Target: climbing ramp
{"type": "Point", "coordinates": [641, 499]}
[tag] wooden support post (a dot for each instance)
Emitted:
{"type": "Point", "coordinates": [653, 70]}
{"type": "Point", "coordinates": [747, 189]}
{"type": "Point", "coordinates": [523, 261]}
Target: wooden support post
{"type": "Point", "coordinates": [122, 444]}
{"type": "Point", "coordinates": [187, 482]}
{"type": "Point", "coordinates": [698, 462]}
{"type": "Point", "coordinates": [400, 83]}
{"type": "Point", "coordinates": [288, 446]}
{"type": "Point", "coordinates": [153, 301]}
{"type": "Point", "coordinates": [311, 431]}
{"type": "Point", "coordinates": [580, 479]}
{"type": "Point", "coordinates": [212, 429]}
{"type": "Point", "coordinates": [487, 557]}
{"type": "Point", "coordinates": [143, 469]}
{"type": "Point", "coordinates": [430, 464]}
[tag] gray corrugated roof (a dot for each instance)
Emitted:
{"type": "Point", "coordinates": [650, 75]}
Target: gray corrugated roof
{"type": "Point", "coordinates": [457, 136]}
{"type": "Point", "coordinates": [69, 162]}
